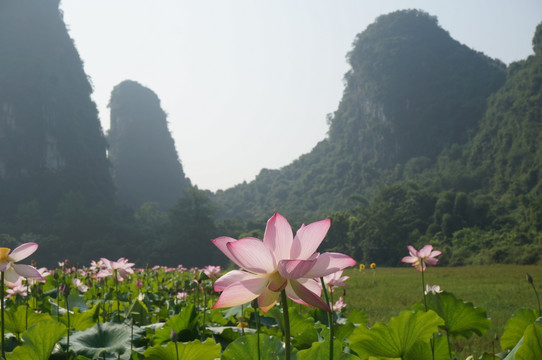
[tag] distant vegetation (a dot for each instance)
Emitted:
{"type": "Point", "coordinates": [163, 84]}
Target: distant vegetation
{"type": "Point", "coordinates": [432, 142]}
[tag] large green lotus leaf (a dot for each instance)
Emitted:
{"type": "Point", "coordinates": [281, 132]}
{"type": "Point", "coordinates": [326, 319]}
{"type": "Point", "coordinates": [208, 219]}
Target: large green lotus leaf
{"type": "Point", "coordinates": [515, 327]}
{"type": "Point", "coordinates": [184, 324]}
{"type": "Point", "coordinates": [39, 341]}
{"type": "Point", "coordinates": [217, 317]}
{"type": "Point", "coordinates": [302, 329]}
{"type": "Point", "coordinates": [320, 351]}
{"type": "Point", "coordinates": [532, 342]}
{"type": "Point", "coordinates": [343, 331]}
{"type": "Point", "coordinates": [395, 339]}
{"type": "Point", "coordinates": [246, 348]}
{"type": "Point", "coordinates": [195, 350]}
{"type": "Point", "coordinates": [512, 354]}
{"type": "Point", "coordinates": [305, 339]}
{"type": "Point", "coordinates": [19, 319]}
{"type": "Point", "coordinates": [422, 350]}
{"type": "Point", "coordinates": [460, 318]}
{"type": "Point", "coordinates": [107, 338]}
{"type": "Point", "coordinates": [139, 313]}
{"type": "Point", "coordinates": [81, 320]}
{"type": "Point", "coordinates": [299, 324]}
{"type": "Point", "coordinates": [76, 300]}
{"type": "Point", "coordinates": [358, 317]}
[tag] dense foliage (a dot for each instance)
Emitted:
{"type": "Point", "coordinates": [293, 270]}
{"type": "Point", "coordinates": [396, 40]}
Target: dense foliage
{"type": "Point", "coordinates": [145, 164]}
{"type": "Point", "coordinates": [112, 310]}
{"type": "Point", "coordinates": [432, 141]}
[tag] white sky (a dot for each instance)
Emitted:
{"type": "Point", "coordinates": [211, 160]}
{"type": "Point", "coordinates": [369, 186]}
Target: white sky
{"type": "Point", "coordinates": [247, 84]}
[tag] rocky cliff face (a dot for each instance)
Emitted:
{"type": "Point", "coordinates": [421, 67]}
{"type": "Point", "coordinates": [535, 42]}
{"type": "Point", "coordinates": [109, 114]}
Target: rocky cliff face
{"type": "Point", "coordinates": [412, 90]}
{"type": "Point", "coordinates": [146, 167]}
{"type": "Point", "coordinates": [51, 141]}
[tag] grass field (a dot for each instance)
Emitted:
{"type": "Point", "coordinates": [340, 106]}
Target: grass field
{"type": "Point", "coordinates": [500, 289]}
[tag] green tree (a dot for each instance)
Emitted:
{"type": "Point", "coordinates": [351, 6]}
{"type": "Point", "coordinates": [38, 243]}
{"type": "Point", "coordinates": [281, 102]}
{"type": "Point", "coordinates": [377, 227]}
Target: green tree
{"type": "Point", "coordinates": [191, 229]}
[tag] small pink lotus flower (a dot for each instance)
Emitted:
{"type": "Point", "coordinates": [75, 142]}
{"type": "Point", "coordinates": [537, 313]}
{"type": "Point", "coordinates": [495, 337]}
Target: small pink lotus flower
{"type": "Point", "coordinates": [80, 285]}
{"type": "Point", "coordinates": [339, 305]}
{"type": "Point", "coordinates": [418, 259]}
{"type": "Point", "coordinates": [334, 280]}
{"type": "Point", "coordinates": [119, 270]}
{"type": "Point", "coordinates": [12, 272]}
{"type": "Point", "coordinates": [96, 266]}
{"type": "Point", "coordinates": [182, 295]}
{"type": "Point", "coordinates": [435, 289]}
{"type": "Point", "coordinates": [44, 272]}
{"type": "Point", "coordinates": [280, 262]}
{"type": "Point", "coordinates": [17, 289]}
{"type": "Point", "coordinates": [212, 272]}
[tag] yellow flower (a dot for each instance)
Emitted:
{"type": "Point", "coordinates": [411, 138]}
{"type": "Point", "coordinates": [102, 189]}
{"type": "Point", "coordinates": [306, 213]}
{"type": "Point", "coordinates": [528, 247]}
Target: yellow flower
{"type": "Point", "coordinates": [361, 267]}
{"type": "Point", "coordinates": [373, 265]}
{"type": "Point", "coordinates": [241, 323]}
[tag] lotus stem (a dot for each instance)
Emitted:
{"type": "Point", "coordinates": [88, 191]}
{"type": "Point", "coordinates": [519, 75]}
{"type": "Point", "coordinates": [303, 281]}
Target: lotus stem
{"type": "Point", "coordinates": [330, 319]}
{"type": "Point", "coordinates": [258, 331]}
{"type": "Point", "coordinates": [26, 314]}
{"type": "Point", "coordinates": [68, 313]}
{"type": "Point", "coordinates": [176, 350]}
{"type": "Point", "coordinates": [115, 276]}
{"type": "Point", "coordinates": [530, 280]}
{"type": "Point", "coordinates": [423, 291]}
{"type": "Point", "coordinates": [287, 345]}
{"type": "Point", "coordinates": [432, 341]}
{"type": "Point", "coordinates": [2, 304]}
{"type": "Point", "coordinates": [204, 307]}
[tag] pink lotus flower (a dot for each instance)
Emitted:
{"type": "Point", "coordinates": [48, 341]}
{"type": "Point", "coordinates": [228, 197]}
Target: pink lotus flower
{"type": "Point", "coordinates": [182, 295]}
{"type": "Point", "coordinates": [119, 270]}
{"type": "Point", "coordinates": [280, 262]}
{"type": "Point", "coordinates": [335, 280]}
{"type": "Point", "coordinates": [435, 289]}
{"type": "Point", "coordinates": [17, 289]}
{"type": "Point", "coordinates": [44, 272]}
{"type": "Point", "coordinates": [96, 266]}
{"type": "Point", "coordinates": [418, 259]}
{"type": "Point", "coordinates": [13, 272]}
{"type": "Point", "coordinates": [339, 305]}
{"type": "Point", "coordinates": [212, 271]}
{"type": "Point", "coordinates": [80, 285]}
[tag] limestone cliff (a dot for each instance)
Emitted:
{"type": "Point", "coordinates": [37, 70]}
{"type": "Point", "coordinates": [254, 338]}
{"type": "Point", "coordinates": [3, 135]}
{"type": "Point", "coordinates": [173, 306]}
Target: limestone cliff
{"type": "Point", "coordinates": [146, 167]}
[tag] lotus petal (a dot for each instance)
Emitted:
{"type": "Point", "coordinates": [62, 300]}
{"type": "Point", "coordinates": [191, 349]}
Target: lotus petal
{"type": "Point", "coordinates": [23, 251]}
{"type": "Point", "coordinates": [278, 237]}
{"type": "Point", "coordinates": [252, 255]}
{"type": "Point", "coordinates": [241, 292]}
{"type": "Point", "coordinates": [328, 263]}
{"type": "Point", "coordinates": [308, 238]}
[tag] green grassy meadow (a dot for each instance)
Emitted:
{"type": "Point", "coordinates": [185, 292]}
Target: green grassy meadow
{"type": "Point", "coordinates": [501, 289]}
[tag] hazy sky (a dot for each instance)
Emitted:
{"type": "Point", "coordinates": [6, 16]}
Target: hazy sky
{"type": "Point", "coordinates": [247, 84]}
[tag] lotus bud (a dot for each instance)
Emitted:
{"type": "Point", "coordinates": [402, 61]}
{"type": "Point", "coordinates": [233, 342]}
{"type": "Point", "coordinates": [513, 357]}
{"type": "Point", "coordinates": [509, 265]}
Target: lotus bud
{"type": "Point", "coordinates": [173, 336]}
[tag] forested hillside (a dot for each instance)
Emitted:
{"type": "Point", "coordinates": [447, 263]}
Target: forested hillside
{"type": "Point", "coordinates": [431, 142]}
